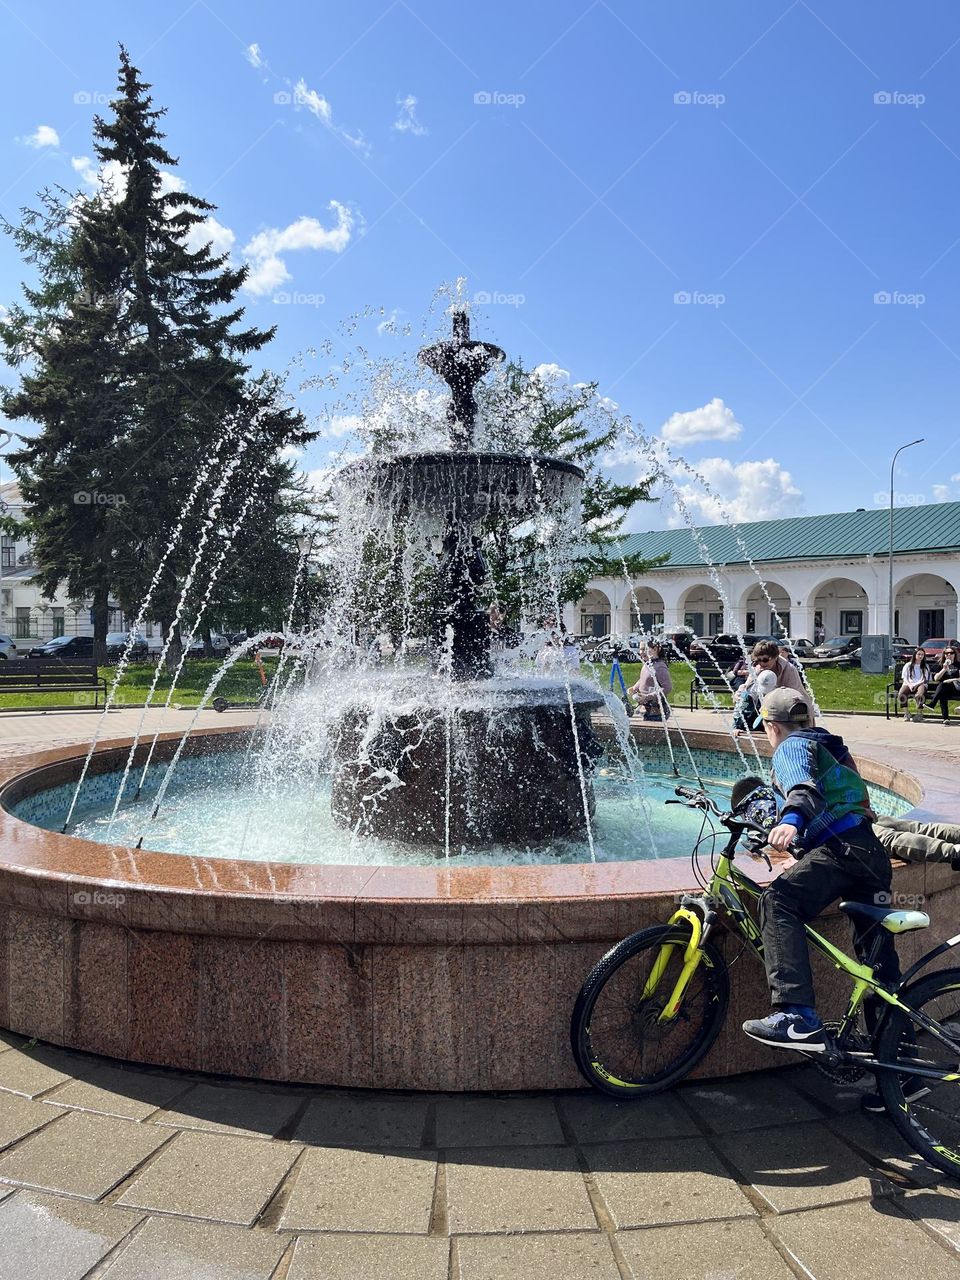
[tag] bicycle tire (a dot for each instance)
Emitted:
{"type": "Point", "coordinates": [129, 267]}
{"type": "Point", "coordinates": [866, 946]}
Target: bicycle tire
{"type": "Point", "coordinates": [713, 1010]}
{"type": "Point", "coordinates": [913, 1119]}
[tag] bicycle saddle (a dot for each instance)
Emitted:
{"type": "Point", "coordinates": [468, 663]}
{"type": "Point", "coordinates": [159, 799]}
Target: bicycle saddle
{"type": "Point", "coordinates": [892, 918]}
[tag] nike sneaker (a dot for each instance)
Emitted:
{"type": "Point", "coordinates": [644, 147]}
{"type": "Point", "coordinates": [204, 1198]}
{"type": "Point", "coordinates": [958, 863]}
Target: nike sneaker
{"type": "Point", "coordinates": [781, 1030]}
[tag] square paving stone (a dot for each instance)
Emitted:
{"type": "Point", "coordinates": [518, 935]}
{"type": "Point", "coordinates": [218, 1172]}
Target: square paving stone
{"type": "Point", "coordinates": [169, 1249]}
{"type": "Point", "coordinates": [114, 1092]}
{"type": "Point", "coordinates": [332, 1121]}
{"type": "Point", "coordinates": [593, 1118]}
{"type": "Point", "coordinates": [517, 1189]}
{"type": "Point", "coordinates": [939, 1209]}
{"type": "Point", "coordinates": [23, 1073]}
{"type": "Point", "coordinates": [722, 1250]}
{"type": "Point", "coordinates": [497, 1122]}
{"type": "Point", "coordinates": [80, 1154]}
{"type": "Point", "coordinates": [831, 1094]}
{"type": "Point", "coordinates": [537, 1257]}
{"type": "Point", "coordinates": [218, 1109]}
{"type": "Point", "coordinates": [730, 1106]}
{"type": "Point", "coordinates": [861, 1242]}
{"type": "Point", "coordinates": [20, 1116]}
{"type": "Point", "coordinates": [643, 1183]}
{"type": "Point", "coordinates": [801, 1166]}
{"type": "Point", "coordinates": [53, 1238]}
{"type": "Point", "coordinates": [877, 1136]}
{"type": "Point", "coordinates": [337, 1189]}
{"type": "Point", "coordinates": [369, 1258]}
{"type": "Point", "coordinates": [212, 1175]}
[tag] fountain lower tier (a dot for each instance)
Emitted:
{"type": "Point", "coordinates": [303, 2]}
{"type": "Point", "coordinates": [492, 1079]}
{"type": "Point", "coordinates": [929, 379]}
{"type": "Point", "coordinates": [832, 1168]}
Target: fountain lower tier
{"type": "Point", "coordinates": [467, 776]}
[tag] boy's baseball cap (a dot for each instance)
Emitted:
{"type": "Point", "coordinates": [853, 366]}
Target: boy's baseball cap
{"type": "Point", "coordinates": [785, 706]}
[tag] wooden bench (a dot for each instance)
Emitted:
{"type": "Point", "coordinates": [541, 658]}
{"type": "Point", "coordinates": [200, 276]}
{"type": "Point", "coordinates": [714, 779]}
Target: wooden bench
{"type": "Point", "coordinates": [710, 678]}
{"type": "Point", "coordinates": [51, 675]}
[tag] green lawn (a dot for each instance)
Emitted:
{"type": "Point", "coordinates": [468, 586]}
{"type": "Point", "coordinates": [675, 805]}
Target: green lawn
{"type": "Point", "coordinates": [835, 690]}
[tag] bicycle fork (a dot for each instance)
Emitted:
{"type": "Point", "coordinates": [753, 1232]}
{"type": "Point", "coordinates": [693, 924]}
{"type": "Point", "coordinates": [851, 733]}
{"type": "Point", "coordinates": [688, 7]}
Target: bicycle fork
{"type": "Point", "coordinates": [692, 956]}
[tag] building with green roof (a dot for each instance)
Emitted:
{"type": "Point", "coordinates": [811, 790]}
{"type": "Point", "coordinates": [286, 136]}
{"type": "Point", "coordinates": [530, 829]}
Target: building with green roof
{"type": "Point", "coordinates": [803, 574]}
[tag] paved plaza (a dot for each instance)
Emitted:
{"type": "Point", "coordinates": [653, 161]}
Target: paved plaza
{"type": "Point", "coordinates": [120, 1171]}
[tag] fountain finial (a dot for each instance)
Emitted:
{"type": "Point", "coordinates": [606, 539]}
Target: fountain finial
{"type": "Point", "coordinates": [461, 362]}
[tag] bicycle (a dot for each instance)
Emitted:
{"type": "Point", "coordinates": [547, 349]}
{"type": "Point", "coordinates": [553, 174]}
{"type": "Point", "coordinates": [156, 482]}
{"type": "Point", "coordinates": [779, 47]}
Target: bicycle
{"type": "Point", "coordinates": [654, 1004]}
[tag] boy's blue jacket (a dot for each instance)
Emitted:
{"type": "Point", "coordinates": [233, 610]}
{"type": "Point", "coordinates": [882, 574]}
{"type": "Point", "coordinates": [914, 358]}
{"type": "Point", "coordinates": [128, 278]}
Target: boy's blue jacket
{"type": "Point", "coordinates": [822, 790]}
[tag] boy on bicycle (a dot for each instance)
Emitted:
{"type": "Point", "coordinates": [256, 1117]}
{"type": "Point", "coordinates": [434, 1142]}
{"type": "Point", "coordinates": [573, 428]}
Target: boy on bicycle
{"type": "Point", "coordinates": [825, 823]}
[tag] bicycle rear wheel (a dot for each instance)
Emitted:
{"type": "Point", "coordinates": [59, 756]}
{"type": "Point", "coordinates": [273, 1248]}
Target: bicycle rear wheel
{"type": "Point", "coordinates": [619, 1042]}
{"type": "Point", "coordinates": [931, 1124]}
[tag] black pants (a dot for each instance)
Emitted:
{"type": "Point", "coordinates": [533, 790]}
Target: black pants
{"type": "Point", "coordinates": [803, 891]}
{"type": "Point", "coordinates": [945, 692]}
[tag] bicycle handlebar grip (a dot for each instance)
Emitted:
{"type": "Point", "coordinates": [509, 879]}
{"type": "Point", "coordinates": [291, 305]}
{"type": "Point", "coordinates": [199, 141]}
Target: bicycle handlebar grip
{"type": "Point", "coordinates": [687, 792]}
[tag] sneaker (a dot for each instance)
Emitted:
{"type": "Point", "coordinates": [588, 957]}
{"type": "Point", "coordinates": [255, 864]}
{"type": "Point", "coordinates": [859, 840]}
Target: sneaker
{"type": "Point", "coordinates": [782, 1030]}
{"type": "Point", "coordinates": [914, 1087]}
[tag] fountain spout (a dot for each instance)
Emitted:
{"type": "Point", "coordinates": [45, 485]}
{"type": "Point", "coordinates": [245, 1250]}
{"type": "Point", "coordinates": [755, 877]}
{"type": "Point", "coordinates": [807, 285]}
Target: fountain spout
{"type": "Point", "coordinates": [461, 362]}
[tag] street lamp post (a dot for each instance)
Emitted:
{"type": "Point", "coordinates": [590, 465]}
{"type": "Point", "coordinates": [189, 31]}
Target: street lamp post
{"type": "Point", "coordinates": [890, 585]}
{"type": "Point", "coordinates": [5, 439]}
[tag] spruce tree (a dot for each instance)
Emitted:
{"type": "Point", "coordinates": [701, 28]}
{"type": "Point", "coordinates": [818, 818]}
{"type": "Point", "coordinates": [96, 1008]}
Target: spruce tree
{"type": "Point", "coordinates": [139, 351]}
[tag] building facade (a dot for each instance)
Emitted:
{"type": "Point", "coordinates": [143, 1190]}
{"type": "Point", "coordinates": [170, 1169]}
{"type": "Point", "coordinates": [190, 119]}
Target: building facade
{"type": "Point", "coordinates": [826, 574]}
{"type": "Point", "coordinates": [26, 614]}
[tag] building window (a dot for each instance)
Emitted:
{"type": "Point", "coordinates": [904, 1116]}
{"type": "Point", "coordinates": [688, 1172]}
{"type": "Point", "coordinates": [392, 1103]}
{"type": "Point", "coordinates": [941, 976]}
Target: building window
{"type": "Point", "coordinates": [23, 624]}
{"type": "Point", "coordinates": [751, 626]}
{"type": "Point", "coordinates": [8, 553]}
{"type": "Point", "coordinates": [58, 624]}
{"type": "Point", "coordinates": [715, 623]}
{"type": "Point", "coordinates": [851, 622]}
{"type": "Point", "coordinates": [781, 628]}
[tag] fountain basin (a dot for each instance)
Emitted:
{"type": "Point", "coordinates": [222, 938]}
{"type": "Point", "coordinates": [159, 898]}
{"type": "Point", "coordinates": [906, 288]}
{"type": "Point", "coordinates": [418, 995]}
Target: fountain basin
{"type": "Point", "coordinates": [441, 977]}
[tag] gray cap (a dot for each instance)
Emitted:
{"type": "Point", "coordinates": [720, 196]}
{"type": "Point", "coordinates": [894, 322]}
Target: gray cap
{"type": "Point", "coordinates": [785, 706]}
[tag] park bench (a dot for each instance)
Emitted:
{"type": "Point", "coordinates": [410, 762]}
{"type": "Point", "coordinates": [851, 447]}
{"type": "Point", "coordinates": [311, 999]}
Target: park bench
{"type": "Point", "coordinates": [708, 677]}
{"type": "Point", "coordinates": [50, 675]}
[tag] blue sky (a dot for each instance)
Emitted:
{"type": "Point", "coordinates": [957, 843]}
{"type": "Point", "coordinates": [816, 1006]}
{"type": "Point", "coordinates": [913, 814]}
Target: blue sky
{"type": "Point", "coordinates": [783, 166]}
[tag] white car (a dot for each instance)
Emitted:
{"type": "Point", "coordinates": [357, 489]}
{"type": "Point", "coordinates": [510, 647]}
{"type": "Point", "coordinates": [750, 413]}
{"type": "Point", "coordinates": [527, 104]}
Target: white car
{"type": "Point", "coordinates": [7, 648]}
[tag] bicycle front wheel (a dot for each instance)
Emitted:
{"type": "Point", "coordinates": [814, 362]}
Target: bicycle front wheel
{"type": "Point", "coordinates": [931, 1123]}
{"type": "Point", "coordinates": [620, 1042]}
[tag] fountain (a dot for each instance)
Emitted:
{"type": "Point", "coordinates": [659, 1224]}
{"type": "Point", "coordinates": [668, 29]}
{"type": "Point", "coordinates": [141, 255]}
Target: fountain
{"type": "Point", "coordinates": [520, 769]}
{"type": "Point", "coordinates": [399, 874]}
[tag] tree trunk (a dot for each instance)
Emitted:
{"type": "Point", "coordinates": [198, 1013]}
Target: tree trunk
{"type": "Point", "coordinates": [175, 651]}
{"type": "Point", "coordinates": [207, 642]}
{"type": "Point", "coordinates": [101, 597]}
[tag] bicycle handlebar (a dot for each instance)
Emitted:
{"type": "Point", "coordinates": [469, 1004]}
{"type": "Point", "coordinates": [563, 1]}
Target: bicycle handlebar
{"type": "Point", "coordinates": [700, 800]}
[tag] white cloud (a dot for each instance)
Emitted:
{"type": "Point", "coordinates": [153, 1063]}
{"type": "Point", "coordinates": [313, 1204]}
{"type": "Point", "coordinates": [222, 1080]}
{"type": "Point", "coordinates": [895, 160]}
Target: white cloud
{"type": "Point", "coordinates": [290, 452]}
{"type": "Point", "coordinates": [941, 492]}
{"type": "Point", "coordinates": [44, 136]}
{"type": "Point", "coordinates": [341, 424]}
{"type": "Point", "coordinates": [713, 421]}
{"type": "Point", "coordinates": [110, 180]}
{"type": "Point", "coordinates": [253, 56]}
{"type": "Point", "coordinates": [220, 238]}
{"type": "Point", "coordinates": [268, 270]}
{"type": "Point", "coordinates": [318, 105]}
{"type": "Point", "coordinates": [742, 491]}
{"type": "Point", "coordinates": [551, 373]}
{"type": "Point", "coordinates": [407, 121]}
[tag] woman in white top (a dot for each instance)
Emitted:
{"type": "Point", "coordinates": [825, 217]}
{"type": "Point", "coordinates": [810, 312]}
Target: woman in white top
{"type": "Point", "coordinates": [913, 683]}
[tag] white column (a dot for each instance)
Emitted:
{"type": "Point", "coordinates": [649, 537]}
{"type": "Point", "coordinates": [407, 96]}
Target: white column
{"type": "Point", "coordinates": [801, 622]}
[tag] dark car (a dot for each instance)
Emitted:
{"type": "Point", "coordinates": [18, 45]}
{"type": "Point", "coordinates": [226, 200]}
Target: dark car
{"type": "Point", "coordinates": [117, 642]}
{"type": "Point", "coordinates": [64, 647]}
{"type": "Point", "coordinates": [726, 649]}
{"type": "Point", "coordinates": [220, 644]}
{"type": "Point", "coordinates": [840, 647]}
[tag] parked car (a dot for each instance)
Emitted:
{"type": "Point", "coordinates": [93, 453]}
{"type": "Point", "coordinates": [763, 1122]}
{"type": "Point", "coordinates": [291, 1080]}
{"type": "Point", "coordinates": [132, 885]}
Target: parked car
{"type": "Point", "coordinates": [64, 647]}
{"type": "Point", "coordinates": [902, 649]}
{"type": "Point", "coordinates": [840, 647]}
{"type": "Point", "coordinates": [934, 648]}
{"type": "Point", "coordinates": [117, 642]}
{"type": "Point", "coordinates": [8, 648]}
{"type": "Point", "coordinates": [221, 646]}
{"type": "Point", "coordinates": [726, 648]}
{"type": "Point", "coordinates": [609, 649]}
{"type": "Point", "coordinates": [802, 648]}
{"type": "Point", "coordinates": [677, 641]}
